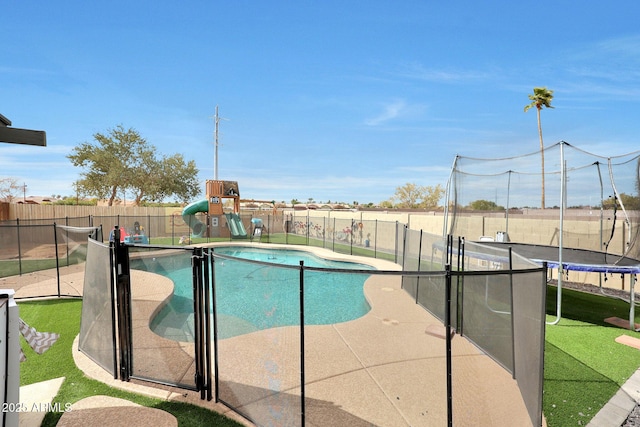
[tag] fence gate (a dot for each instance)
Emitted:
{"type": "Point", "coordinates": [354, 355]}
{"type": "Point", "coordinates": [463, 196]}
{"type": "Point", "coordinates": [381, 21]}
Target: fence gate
{"type": "Point", "coordinates": [159, 355]}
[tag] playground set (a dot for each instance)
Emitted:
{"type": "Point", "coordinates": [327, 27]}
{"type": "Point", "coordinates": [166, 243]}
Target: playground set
{"type": "Point", "coordinates": [217, 191]}
{"type": "Point", "coordinates": [136, 235]}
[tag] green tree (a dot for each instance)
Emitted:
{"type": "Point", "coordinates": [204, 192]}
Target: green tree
{"type": "Point", "coordinates": [169, 176]}
{"type": "Point", "coordinates": [411, 196]}
{"type": "Point", "coordinates": [540, 98]}
{"type": "Point", "coordinates": [485, 205]}
{"type": "Point", "coordinates": [122, 160]}
{"type": "Point", "coordinates": [628, 201]}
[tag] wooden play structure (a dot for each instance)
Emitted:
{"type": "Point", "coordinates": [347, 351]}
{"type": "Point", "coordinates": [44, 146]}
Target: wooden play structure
{"type": "Point", "coordinates": [217, 191]}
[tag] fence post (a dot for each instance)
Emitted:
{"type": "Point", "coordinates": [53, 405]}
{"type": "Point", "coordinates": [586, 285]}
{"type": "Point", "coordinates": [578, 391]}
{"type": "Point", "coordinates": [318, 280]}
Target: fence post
{"type": "Point", "coordinates": [326, 233]}
{"type": "Point", "coordinates": [198, 323]}
{"type": "Point", "coordinates": [269, 223]}
{"type": "Point", "coordinates": [114, 303]}
{"type": "Point", "coordinates": [207, 321]}
{"type": "Point", "coordinates": [302, 376]}
{"type": "Point", "coordinates": [513, 333]}
{"type": "Point", "coordinates": [353, 233]}
{"type": "Point", "coordinates": [375, 244]}
{"type": "Point", "coordinates": [447, 316]}
{"type": "Point", "coordinates": [214, 314]}
{"type": "Point", "coordinates": [55, 244]}
{"type": "Point", "coordinates": [123, 289]}
{"type": "Point", "coordinates": [173, 229]}
{"type": "Point", "coordinates": [66, 222]}
{"type": "Point", "coordinates": [419, 266]}
{"type": "Point", "coordinates": [19, 247]}
{"type": "Point", "coordinates": [333, 234]}
{"type": "Point", "coordinates": [395, 249]}
{"type": "Point", "coordinates": [460, 285]}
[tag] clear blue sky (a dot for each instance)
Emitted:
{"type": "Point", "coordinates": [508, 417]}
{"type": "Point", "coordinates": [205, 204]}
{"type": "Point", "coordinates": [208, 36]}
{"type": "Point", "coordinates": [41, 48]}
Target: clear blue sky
{"type": "Point", "coordinates": [330, 100]}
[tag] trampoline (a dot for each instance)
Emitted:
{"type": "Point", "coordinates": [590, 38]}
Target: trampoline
{"type": "Point", "coordinates": [572, 259]}
{"type": "Point", "coordinates": [590, 187]}
{"type": "Point", "coordinates": [577, 260]}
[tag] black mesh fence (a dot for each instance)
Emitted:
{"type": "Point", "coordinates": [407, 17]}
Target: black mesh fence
{"type": "Point", "coordinates": [162, 307]}
{"type": "Point", "coordinates": [352, 236]}
{"type": "Point", "coordinates": [34, 245]}
{"type": "Point", "coordinates": [37, 247]}
{"type": "Point", "coordinates": [258, 326]}
{"type": "Point", "coordinates": [497, 303]}
{"type": "Point", "coordinates": [97, 325]}
{"type": "Point", "coordinates": [288, 349]}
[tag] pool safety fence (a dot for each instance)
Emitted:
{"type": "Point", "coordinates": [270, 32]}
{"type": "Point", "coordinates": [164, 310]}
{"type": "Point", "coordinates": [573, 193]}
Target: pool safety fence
{"type": "Point", "coordinates": [34, 245]}
{"type": "Point", "coordinates": [441, 334]}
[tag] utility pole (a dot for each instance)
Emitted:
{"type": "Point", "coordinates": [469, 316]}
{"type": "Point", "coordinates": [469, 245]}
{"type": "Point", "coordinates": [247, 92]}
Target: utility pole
{"type": "Point", "coordinates": [215, 142]}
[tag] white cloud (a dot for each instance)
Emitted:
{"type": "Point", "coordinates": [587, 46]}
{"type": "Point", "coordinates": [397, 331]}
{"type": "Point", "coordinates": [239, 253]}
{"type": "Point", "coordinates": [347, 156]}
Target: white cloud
{"type": "Point", "coordinates": [391, 111]}
{"type": "Point", "coordinates": [419, 72]}
{"type": "Point", "coordinates": [624, 46]}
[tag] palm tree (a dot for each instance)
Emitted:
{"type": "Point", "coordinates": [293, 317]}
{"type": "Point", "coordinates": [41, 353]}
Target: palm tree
{"type": "Point", "coordinates": [541, 98]}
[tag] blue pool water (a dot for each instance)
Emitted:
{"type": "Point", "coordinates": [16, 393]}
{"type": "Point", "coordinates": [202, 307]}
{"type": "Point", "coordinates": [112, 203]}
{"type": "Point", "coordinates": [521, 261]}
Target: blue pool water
{"type": "Point", "coordinates": [253, 296]}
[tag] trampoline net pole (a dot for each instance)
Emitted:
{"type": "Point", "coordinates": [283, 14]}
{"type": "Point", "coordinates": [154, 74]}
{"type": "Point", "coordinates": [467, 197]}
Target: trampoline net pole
{"type": "Point", "coordinates": [563, 202]}
{"type": "Point", "coordinates": [632, 303]}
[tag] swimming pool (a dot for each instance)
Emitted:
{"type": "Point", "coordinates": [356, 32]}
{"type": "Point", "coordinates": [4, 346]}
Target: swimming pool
{"type": "Point", "coordinates": [254, 296]}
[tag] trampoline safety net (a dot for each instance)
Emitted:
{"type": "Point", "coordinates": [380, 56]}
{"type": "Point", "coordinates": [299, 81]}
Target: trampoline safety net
{"type": "Point", "coordinates": [581, 200]}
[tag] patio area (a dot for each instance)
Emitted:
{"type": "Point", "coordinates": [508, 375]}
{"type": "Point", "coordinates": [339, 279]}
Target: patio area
{"type": "Point", "coordinates": [380, 355]}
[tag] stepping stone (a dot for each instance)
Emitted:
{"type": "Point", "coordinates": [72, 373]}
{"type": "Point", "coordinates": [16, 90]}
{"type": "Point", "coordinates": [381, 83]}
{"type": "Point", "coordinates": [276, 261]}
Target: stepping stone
{"type": "Point", "coordinates": [630, 341]}
{"type": "Point", "coordinates": [108, 411]}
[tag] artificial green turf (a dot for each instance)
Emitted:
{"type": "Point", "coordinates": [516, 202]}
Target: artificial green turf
{"type": "Point", "coordinates": [584, 366]}
{"type": "Point", "coordinates": [588, 307]}
{"type": "Point", "coordinates": [63, 317]}
{"type": "Point", "coordinates": [14, 267]}
{"type": "Point", "coordinates": [55, 362]}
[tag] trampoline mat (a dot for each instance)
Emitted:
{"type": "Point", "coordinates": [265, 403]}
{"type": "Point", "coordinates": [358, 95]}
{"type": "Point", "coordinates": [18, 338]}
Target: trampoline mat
{"type": "Point", "coordinates": [572, 258]}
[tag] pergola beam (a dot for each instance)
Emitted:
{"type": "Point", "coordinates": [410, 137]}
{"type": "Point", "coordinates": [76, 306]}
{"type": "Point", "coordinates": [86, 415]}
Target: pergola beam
{"type": "Point", "coordinates": [21, 136]}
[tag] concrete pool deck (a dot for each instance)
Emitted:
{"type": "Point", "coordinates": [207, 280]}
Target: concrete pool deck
{"type": "Point", "coordinates": [358, 373]}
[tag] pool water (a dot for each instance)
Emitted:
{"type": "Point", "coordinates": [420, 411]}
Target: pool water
{"type": "Point", "coordinates": [253, 297]}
